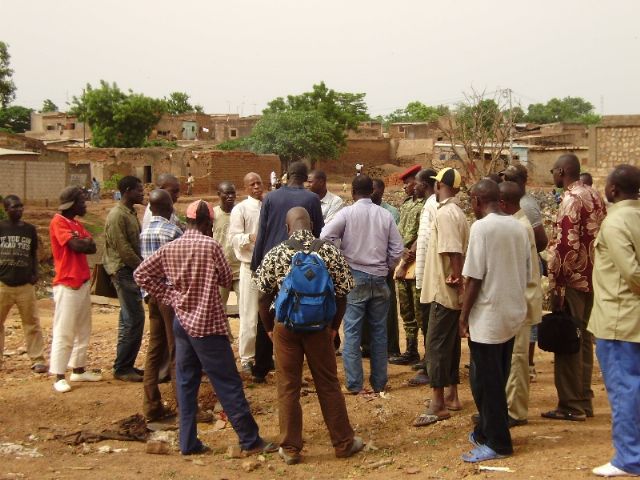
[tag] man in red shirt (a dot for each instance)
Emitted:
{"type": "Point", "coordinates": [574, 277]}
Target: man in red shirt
{"type": "Point", "coordinates": [70, 244]}
{"type": "Point", "coordinates": [187, 274]}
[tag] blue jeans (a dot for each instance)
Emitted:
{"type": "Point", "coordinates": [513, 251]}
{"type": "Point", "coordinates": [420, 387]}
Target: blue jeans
{"type": "Point", "coordinates": [214, 356]}
{"type": "Point", "coordinates": [620, 365]}
{"type": "Point", "coordinates": [367, 303]}
{"type": "Point", "coordinates": [131, 322]}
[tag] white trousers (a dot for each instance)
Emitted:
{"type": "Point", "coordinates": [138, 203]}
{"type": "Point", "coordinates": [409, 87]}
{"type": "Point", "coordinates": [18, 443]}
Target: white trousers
{"type": "Point", "coordinates": [71, 328]}
{"type": "Point", "coordinates": [248, 309]}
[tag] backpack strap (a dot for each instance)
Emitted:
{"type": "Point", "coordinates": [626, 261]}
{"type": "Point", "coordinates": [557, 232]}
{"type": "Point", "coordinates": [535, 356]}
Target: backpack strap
{"type": "Point", "coordinates": [298, 246]}
{"type": "Point", "coordinates": [295, 244]}
{"type": "Point", "coordinates": [317, 244]}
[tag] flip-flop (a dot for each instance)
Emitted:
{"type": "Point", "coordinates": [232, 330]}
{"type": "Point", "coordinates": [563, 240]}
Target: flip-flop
{"type": "Point", "coordinates": [451, 409]}
{"type": "Point", "coordinates": [559, 415]}
{"type": "Point", "coordinates": [425, 419]}
{"type": "Point", "coordinates": [473, 440]}
{"type": "Point", "coordinates": [481, 454]}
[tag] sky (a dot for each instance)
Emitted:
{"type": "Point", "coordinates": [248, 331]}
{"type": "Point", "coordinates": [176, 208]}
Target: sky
{"type": "Point", "coordinates": [235, 56]}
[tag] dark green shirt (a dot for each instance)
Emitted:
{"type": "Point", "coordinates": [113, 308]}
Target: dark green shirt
{"type": "Point", "coordinates": [122, 239]}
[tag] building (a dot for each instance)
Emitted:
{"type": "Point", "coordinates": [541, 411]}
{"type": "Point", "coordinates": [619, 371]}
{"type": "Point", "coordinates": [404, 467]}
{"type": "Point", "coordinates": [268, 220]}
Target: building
{"type": "Point", "coordinates": [200, 126]}
{"type": "Point", "coordinates": [54, 126]}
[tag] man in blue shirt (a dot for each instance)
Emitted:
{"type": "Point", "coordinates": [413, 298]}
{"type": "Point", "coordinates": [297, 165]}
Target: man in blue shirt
{"type": "Point", "coordinates": [272, 231]}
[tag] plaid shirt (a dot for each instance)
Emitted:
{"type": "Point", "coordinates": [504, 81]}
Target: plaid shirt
{"type": "Point", "coordinates": [159, 232]}
{"type": "Point", "coordinates": [186, 274]}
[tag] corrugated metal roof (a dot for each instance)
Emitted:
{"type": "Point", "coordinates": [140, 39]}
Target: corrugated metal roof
{"type": "Point", "coordinates": [6, 151]}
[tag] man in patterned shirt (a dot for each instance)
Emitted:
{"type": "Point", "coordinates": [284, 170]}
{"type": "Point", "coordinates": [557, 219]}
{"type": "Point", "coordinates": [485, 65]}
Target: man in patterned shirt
{"type": "Point", "coordinates": [291, 347]}
{"type": "Point", "coordinates": [161, 342]}
{"type": "Point", "coordinates": [571, 256]}
{"type": "Point", "coordinates": [186, 274]}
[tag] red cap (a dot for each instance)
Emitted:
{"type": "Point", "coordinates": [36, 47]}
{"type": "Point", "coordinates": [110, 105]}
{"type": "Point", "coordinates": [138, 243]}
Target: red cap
{"type": "Point", "coordinates": [410, 171]}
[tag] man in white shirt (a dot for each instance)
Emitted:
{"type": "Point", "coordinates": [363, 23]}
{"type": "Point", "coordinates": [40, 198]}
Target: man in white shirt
{"type": "Point", "coordinates": [243, 228]}
{"type": "Point", "coordinates": [170, 183]}
{"type": "Point", "coordinates": [496, 270]}
{"type": "Point", "coordinates": [329, 202]}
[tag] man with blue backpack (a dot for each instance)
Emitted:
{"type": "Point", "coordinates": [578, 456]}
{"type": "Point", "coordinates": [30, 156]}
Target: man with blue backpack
{"type": "Point", "coordinates": [309, 280]}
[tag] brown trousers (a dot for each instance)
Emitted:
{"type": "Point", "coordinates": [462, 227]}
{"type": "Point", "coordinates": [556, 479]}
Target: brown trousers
{"type": "Point", "coordinates": [161, 342]}
{"type": "Point", "coordinates": [572, 372]}
{"type": "Point", "coordinates": [290, 349]}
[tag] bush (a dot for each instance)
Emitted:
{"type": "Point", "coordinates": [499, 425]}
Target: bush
{"type": "Point", "coordinates": [161, 142]}
{"type": "Point", "coordinates": [112, 183]}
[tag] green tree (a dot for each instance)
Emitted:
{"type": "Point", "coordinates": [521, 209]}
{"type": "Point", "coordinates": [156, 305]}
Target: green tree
{"type": "Point", "coordinates": [48, 106]}
{"type": "Point", "coordinates": [295, 135]}
{"type": "Point", "coordinates": [117, 119]}
{"type": "Point", "coordinates": [342, 110]}
{"type": "Point", "coordinates": [7, 87]}
{"type": "Point", "coordinates": [15, 119]}
{"type": "Point", "coordinates": [568, 109]}
{"type": "Point", "coordinates": [416, 111]}
{"type": "Point", "coordinates": [178, 103]}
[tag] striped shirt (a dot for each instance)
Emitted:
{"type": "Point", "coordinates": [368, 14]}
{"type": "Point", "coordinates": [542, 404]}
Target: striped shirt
{"type": "Point", "coordinates": [186, 274]}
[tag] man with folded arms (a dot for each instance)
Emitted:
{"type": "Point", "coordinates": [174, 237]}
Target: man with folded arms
{"type": "Point", "coordinates": [615, 319]}
{"type": "Point", "coordinates": [497, 268]}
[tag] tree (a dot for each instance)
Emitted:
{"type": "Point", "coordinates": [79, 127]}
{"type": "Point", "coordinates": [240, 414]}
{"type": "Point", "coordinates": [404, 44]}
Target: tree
{"type": "Point", "coordinates": [7, 87]}
{"type": "Point", "coordinates": [178, 103]}
{"type": "Point", "coordinates": [15, 119]}
{"type": "Point", "coordinates": [294, 135]}
{"type": "Point", "coordinates": [568, 109]}
{"type": "Point", "coordinates": [117, 119]}
{"type": "Point", "coordinates": [479, 130]}
{"type": "Point", "coordinates": [416, 112]}
{"type": "Point", "coordinates": [48, 106]}
{"type": "Point", "coordinates": [342, 110]}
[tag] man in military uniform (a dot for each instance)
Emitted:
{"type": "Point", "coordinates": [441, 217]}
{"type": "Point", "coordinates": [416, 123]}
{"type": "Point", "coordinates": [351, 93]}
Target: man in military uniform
{"type": "Point", "coordinates": [408, 296]}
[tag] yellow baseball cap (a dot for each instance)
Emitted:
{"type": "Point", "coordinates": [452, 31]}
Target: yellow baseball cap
{"type": "Point", "coordinates": [449, 176]}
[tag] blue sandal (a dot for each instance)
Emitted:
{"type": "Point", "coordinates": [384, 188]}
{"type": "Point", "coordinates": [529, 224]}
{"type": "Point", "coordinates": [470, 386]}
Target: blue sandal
{"type": "Point", "coordinates": [481, 454]}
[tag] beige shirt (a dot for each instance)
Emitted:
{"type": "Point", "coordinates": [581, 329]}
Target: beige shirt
{"type": "Point", "coordinates": [616, 275]}
{"type": "Point", "coordinates": [449, 234]}
{"type": "Point", "coordinates": [245, 219]}
{"type": "Point", "coordinates": [533, 293]}
{"type": "Point", "coordinates": [424, 233]}
{"type": "Point", "coordinates": [221, 221]}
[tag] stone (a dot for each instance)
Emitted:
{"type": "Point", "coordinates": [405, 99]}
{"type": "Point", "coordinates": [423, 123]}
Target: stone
{"type": "Point", "coordinates": [250, 465]}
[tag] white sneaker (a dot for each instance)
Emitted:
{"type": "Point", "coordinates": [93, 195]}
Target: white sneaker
{"type": "Point", "coordinates": [608, 470]}
{"type": "Point", "coordinates": [62, 386]}
{"type": "Point", "coordinates": [86, 376]}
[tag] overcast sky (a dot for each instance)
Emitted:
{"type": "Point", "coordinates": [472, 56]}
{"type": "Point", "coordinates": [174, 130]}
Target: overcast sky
{"type": "Point", "coordinates": [236, 55]}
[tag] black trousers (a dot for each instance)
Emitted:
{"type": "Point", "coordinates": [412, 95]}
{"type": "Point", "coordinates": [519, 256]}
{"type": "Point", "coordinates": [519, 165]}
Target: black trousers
{"type": "Point", "coordinates": [490, 364]}
{"type": "Point", "coordinates": [263, 360]}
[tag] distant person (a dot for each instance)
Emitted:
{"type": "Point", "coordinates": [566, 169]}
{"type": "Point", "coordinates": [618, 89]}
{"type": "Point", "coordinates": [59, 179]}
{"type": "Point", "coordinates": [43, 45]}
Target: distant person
{"type": "Point", "coordinates": [359, 168]}
{"type": "Point", "coordinates": [121, 257]}
{"type": "Point", "coordinates": [329, 202]}
{"type": "Point", "coordinates": [272, 231]}
{"type": "Point", "coordinates": [95, 190]}
{"type": "Point", "coordinates": [170, 183]}
{"type": "Point", "coordinates": [200, 327]}
{"type": "Point", "coordinates": [161, 342]}
{"type": "Point", "coordinates": [274, 180]}
{"type": "Point", "coordinates": [190, 183]}
{"type": "Point", "coordinates": [372, 246]}
{"type": "Point", "coordinates": [70, 244]}
{"type": "Point", "coordinates": [586, 178]}
{"type": "Point", "coordinates": [18, 277]}
{"type": "Point", "coordinates": [291, 347]}
{"type": "Point", "coordinates": [221, 221]}
{"type": "Point", "coordinates": [243, 230]}
{"type": "Point", "coordinates": [377, 198]}
{"type": "Point", "coordinates": [497, 268]}
{"type": "Point", "coordinates": [570, 276]}
{"type": "Point", "coordinates": [615, 318]}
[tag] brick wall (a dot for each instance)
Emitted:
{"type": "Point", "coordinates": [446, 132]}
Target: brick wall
{"type": "Point", "coordinates": [369, 152]}
{"type": "Point", "coordinates": [33, 180]}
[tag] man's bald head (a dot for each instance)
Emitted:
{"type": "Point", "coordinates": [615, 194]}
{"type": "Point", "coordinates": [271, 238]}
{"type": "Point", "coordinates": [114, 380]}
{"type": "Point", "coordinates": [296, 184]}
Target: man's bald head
{"type": "Point", "coordinates": [160, 203]}
{"type": "Point", "coordinates": [623, 183]}
{"type": "Point", "coordinates": [510, 195]}
{"type": "Point", "coordinates": [253, 185]}
{"type": "Point", "coordinates": [298, 219]}
{"type": "Point", "coordinates": [170, 183]}
{"type": "Point", "coordinates": [251, 177]}
{"type": "Point", "coordinates": [485, 198]}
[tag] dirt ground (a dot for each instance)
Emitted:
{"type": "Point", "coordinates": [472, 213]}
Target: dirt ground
{"type": "Point", "coordinates": [32, 414]}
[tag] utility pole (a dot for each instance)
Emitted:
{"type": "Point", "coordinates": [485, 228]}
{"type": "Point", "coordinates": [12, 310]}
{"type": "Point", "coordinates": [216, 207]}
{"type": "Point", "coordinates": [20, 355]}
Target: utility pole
{"type": "Point", "coordinates": [507, 93]}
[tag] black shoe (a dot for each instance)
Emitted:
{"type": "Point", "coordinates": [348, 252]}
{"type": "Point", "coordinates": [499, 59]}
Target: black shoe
{"type": "Point", "coordinates": [407, 358]}
{"type": "Point", "coordinates": [513, 422]}
{"type": "Point", "coordinates": [475, 418]}
{"type": "Point", "coordinates": [128, 376]}
{"type": "Point", "coordinates": [138, 371]}
{"type": "Point", "coordinates": [419, 366]}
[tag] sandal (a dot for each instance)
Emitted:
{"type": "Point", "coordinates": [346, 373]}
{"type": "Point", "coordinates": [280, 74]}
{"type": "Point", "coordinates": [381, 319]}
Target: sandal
{"type": "Point", "coordinates": [425, 419]}
{"type": "Point", "coordinates": [560, 415]}
{"type": "Point", "coordinates": [481, 454]}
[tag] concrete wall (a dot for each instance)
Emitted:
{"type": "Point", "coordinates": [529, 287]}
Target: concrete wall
{"type": "Point", "coordinates": [33, 180]}
{"type": "Point", "coordinates": [615, 146]}
{"type": "Point", "coordinates": [410, 152]}
{"type": "Point", "coordinates": [541, 160]}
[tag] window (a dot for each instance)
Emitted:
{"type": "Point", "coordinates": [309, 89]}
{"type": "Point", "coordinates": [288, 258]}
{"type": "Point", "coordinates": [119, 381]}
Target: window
{"type": "Point", "coordinates": [50, 127]}
{"type": "Point", "coordinates": [233, 132]}
{"type": "Point", "coordinates": [400, 129]}
{"type": "Point", "coordinates": [443, 156]}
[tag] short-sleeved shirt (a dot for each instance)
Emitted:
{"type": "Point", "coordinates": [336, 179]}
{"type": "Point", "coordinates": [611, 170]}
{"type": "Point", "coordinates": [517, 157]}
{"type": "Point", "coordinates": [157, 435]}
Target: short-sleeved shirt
{"type": "Point", "coordinates": [221, 221]}
{"type": "Point", "coordinates": [330, 204]}
{"type": "Point", "coordinates": [392, 210]}
{"type": "Point", "coordinates": [499, 254]}
{"type": "Point", "coordinates": [529, 205]}
{"type": "Point", "coordinates": [18, 246]}
{"type": "Point", "coordinates": [72, 268]}
{"type": "Point", "coordinates": [449, 234]}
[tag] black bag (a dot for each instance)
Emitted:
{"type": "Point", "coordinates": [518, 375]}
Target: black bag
{"type": "Point", "coordinates": [101, 283]}
{"type": "Point", "coordinates": [558, 333]}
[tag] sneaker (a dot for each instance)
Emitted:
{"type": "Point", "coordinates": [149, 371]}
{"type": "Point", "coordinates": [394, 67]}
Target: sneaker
{"type": "Point", "coordinates": [39, 368]}
{"type": "Point", "coordinates": [517, 422]}
{"type": "Point", "coordinates": [128, 377]}
{"type": "Point", "coordinates": [608, 470]}
{"type": "Point", "coordinates": [247, 369]}
{"type": "Point", "coordinates": [86, 376]}
{"type": "Point", "coordinates": [532, 373]}
{"type": "Point", "coordinates": [356, 446]}
{"type": "Point", "coordinates": [289, 458]}
{"type": "Point", "coordinates": [62, 386]}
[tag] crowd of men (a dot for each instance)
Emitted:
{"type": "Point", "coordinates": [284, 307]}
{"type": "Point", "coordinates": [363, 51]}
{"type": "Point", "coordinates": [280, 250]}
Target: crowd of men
{"type": "Point", "coordinates": [452, 280]}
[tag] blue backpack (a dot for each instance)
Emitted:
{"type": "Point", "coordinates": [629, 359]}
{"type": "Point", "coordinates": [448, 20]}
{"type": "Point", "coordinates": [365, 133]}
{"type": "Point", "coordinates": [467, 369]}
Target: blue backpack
{"type": "Point", "coordinates": [306, 301]}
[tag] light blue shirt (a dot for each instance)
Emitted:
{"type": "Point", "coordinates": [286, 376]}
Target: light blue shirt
{"type": "Point", "coordinates": [370, 240]}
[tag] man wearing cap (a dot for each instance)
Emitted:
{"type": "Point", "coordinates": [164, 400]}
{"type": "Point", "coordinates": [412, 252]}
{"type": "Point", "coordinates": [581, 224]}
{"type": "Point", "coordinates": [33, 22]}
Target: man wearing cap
{"type": "Point", "coordinates": [200, 326]}
{"type": "Point", "coordinates": [243, 228]}
{"type": "Point", "coordinates": [121, 257]}
{"type": "Point", "coordinates": [70, 244]}
{"type": "Point", "coordinates": [442, 288]}
{"type": "Point", "coordinates": [18, 276]}
{"type": "Point", "coordinates": [408, 296]}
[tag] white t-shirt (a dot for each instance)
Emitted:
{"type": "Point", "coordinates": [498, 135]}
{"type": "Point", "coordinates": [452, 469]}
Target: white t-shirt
{"type": "Point", "coordinates": [500, 256]}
